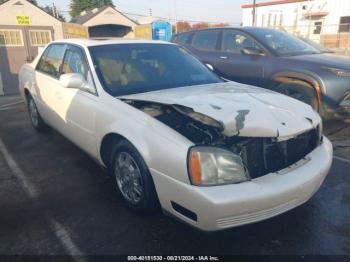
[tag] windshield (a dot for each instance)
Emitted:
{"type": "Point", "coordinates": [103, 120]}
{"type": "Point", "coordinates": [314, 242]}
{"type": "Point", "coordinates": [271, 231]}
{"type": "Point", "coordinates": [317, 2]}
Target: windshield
{"type": "Point", "coordinates": [282, 43]}
{"type": "Point", "coordinates": [137, 68]}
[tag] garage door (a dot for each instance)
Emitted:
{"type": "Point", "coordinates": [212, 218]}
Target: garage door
{"type": "Point", "coordinates": [19, 45]}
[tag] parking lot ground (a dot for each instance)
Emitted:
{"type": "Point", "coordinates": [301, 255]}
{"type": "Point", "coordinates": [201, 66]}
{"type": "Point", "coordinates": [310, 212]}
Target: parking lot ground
{"type": "Point", "coordinates": [55, 200]}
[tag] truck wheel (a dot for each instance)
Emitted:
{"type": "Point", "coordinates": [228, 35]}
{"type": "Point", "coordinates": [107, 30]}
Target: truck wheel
{"type": "Point", "coordinates": [133, 180]}
{"type": "Point", "coordinates": [35, 118]}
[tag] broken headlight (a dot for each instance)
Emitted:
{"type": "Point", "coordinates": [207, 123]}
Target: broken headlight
{"type": "Point", "coordinates": [211, 166]}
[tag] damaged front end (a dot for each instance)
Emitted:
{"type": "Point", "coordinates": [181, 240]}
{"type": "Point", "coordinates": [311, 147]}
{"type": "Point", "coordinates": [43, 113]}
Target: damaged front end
{"type": "Point", "coordinates": [259, 155]}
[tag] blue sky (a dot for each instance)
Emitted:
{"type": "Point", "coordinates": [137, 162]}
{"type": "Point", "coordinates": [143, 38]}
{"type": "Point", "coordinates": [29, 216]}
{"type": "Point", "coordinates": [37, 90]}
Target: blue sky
{"type": "Point", "coordinates": [228, 11]}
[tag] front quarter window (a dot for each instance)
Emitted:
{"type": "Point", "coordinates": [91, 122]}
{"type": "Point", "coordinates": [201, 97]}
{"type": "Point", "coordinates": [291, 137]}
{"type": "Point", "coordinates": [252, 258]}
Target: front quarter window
{"type": "Point", "coordinates": [235, 42]}
{"type": "Point", "coordinates": [74, 62]}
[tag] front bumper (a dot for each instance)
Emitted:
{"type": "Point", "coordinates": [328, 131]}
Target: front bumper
{"type": "Point", "coordinates": [221, 207]}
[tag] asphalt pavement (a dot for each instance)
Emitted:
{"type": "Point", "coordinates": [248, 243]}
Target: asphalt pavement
{"type": "Point", "coordinates": [55, 200]}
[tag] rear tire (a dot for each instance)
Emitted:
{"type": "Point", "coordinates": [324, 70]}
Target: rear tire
{"type": "Point", "coordinates": [35, 117]}
{"type": "Point", "coordinates": [133, 180]}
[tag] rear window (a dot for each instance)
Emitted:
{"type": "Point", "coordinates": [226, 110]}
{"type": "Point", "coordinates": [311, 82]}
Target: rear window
{"type": "Point", "coordinates": [183, 38]}
{"type": "Point", "coordinates": [51, 60]}
{"type": "Point", "coordinates": [206, 40]}
{"type": "Point", "coordinates": [136, 68]}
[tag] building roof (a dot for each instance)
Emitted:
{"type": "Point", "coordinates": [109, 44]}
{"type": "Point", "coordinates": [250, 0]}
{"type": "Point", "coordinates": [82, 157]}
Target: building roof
{"type": "Point", "coordinates": [35, 6]}
{"type": "Point", "coordinates": [89, 14]}
{"type": "Point", "coordinates": [279, 2]}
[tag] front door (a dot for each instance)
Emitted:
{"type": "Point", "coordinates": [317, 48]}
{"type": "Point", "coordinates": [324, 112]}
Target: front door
{"type": "Point", "coordinates": [236, 66]}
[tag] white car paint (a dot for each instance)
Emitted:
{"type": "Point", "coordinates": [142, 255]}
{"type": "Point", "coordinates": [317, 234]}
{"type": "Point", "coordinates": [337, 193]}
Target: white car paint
{"type": "Point", "coordinates": [268, 114]}
{"type": "Point", "coordinates": [87, 118]}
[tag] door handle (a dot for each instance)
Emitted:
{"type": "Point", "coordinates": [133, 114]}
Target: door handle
{"type": "Point", "coordinates": [223, 57]}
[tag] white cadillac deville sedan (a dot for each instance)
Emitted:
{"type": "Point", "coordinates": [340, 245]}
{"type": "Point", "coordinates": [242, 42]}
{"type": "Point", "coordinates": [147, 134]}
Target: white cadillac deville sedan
{"type": "Point", "coordinates": [174, 135]}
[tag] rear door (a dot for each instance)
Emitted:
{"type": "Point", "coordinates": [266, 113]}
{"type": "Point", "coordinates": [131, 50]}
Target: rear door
{"type": "Point", "coordinates": [236, 66]}
{"type": "Point", "coordinates": [47, 82]}
{"type": "Point", "coordinates": [205, 45]}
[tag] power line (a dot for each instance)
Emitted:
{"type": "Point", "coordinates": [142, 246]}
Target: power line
{"type": "Point", "coordinates": [150, 11]}
{"type": "Point", "coordinates": [176, 20]}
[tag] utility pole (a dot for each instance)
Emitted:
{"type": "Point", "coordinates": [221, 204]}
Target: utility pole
{"type": "Point", "coordinates": [254, 12]}
{"type": "Point", "coordinates": [54, 10]}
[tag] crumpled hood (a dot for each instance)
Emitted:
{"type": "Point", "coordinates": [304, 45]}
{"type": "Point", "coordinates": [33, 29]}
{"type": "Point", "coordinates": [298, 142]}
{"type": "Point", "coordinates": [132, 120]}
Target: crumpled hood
{"type": "Point", "coordinates": [243, 110]}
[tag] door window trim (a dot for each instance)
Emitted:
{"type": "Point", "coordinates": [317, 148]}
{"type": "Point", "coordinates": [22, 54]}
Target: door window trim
{"type": "Point", "coordinates": [46, 51]}
{"type": "Point", "coordinates": [221, 48]}
{"type": "Point", "coordinates": [69, 47]}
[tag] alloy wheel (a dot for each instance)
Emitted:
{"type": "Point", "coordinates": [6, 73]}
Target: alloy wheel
{"type": "Point", "coordinates": [128, 177]}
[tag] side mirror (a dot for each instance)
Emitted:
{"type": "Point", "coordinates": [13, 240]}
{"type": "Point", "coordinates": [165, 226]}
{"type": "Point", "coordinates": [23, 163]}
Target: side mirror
{"type": "Point", "coordinates": [252, 51]}
{"type": "Point", "coordinates": [76, 81]}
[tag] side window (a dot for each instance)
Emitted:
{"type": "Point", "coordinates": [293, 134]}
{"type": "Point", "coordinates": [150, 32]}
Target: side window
{"type": "Point", "coordinates": [234, 42]}
{"type": "Point", "coordinates": [51, 60]}
{"type": "Point", "coordinates": [75, 62]}
{"type": "Point", "coordinates": [183, 38]}
{"type": "Point", "coordinates": [205, 40]}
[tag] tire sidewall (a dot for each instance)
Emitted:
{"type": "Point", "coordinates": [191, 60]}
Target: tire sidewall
{"type": "Point", "coordinates": [307, 93]}
{"type": "Point", "coordinates": [41, 126]}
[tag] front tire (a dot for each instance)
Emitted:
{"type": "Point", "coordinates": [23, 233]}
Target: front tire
{"type": "Point", "coordinates": [35, 117]}
{"type": "Point", "coordinates": [301, 91]}
{"type": "Point", "coordinates": [133, 180]}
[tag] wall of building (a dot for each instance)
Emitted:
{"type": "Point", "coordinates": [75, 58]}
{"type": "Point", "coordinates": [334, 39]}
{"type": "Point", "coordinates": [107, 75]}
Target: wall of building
{"type": "Point", "coordinates": [293, 17]}
{"type": "Point", "coordinates": [20, 8]}
{"type": "Point", "coordinates": [337, 9]}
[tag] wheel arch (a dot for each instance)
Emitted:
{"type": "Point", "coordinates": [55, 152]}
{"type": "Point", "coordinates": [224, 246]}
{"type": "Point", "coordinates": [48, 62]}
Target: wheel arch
{"type": "Point", "coordinates": [27, 93]}
{"type": "Point", "coordinates": [106, 147]}
{"type": "Point", "coordinates": [107, 144]}
{"type": "Point", "coordinates": [308, 78]}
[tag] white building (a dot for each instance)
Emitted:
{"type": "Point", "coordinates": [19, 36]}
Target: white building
{"type": "Point", "coordinates": [307, 18]}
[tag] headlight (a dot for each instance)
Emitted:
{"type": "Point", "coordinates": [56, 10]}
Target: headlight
{"type": "Point", "coordinates": [209, 166]}
{"type": "Point", "coordinates": [339, 72]}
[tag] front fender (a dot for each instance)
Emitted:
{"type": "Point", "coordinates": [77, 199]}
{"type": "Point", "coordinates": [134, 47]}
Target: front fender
{"type": "Point", "coordinates": [307, 76]}
{"type": "Point", "coordinates": [162, 148]}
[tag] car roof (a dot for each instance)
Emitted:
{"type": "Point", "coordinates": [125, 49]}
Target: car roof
{"type": "Point", "coordinates": [107, 41]}
{"type": "Point", "coordinates": [249, 29]}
